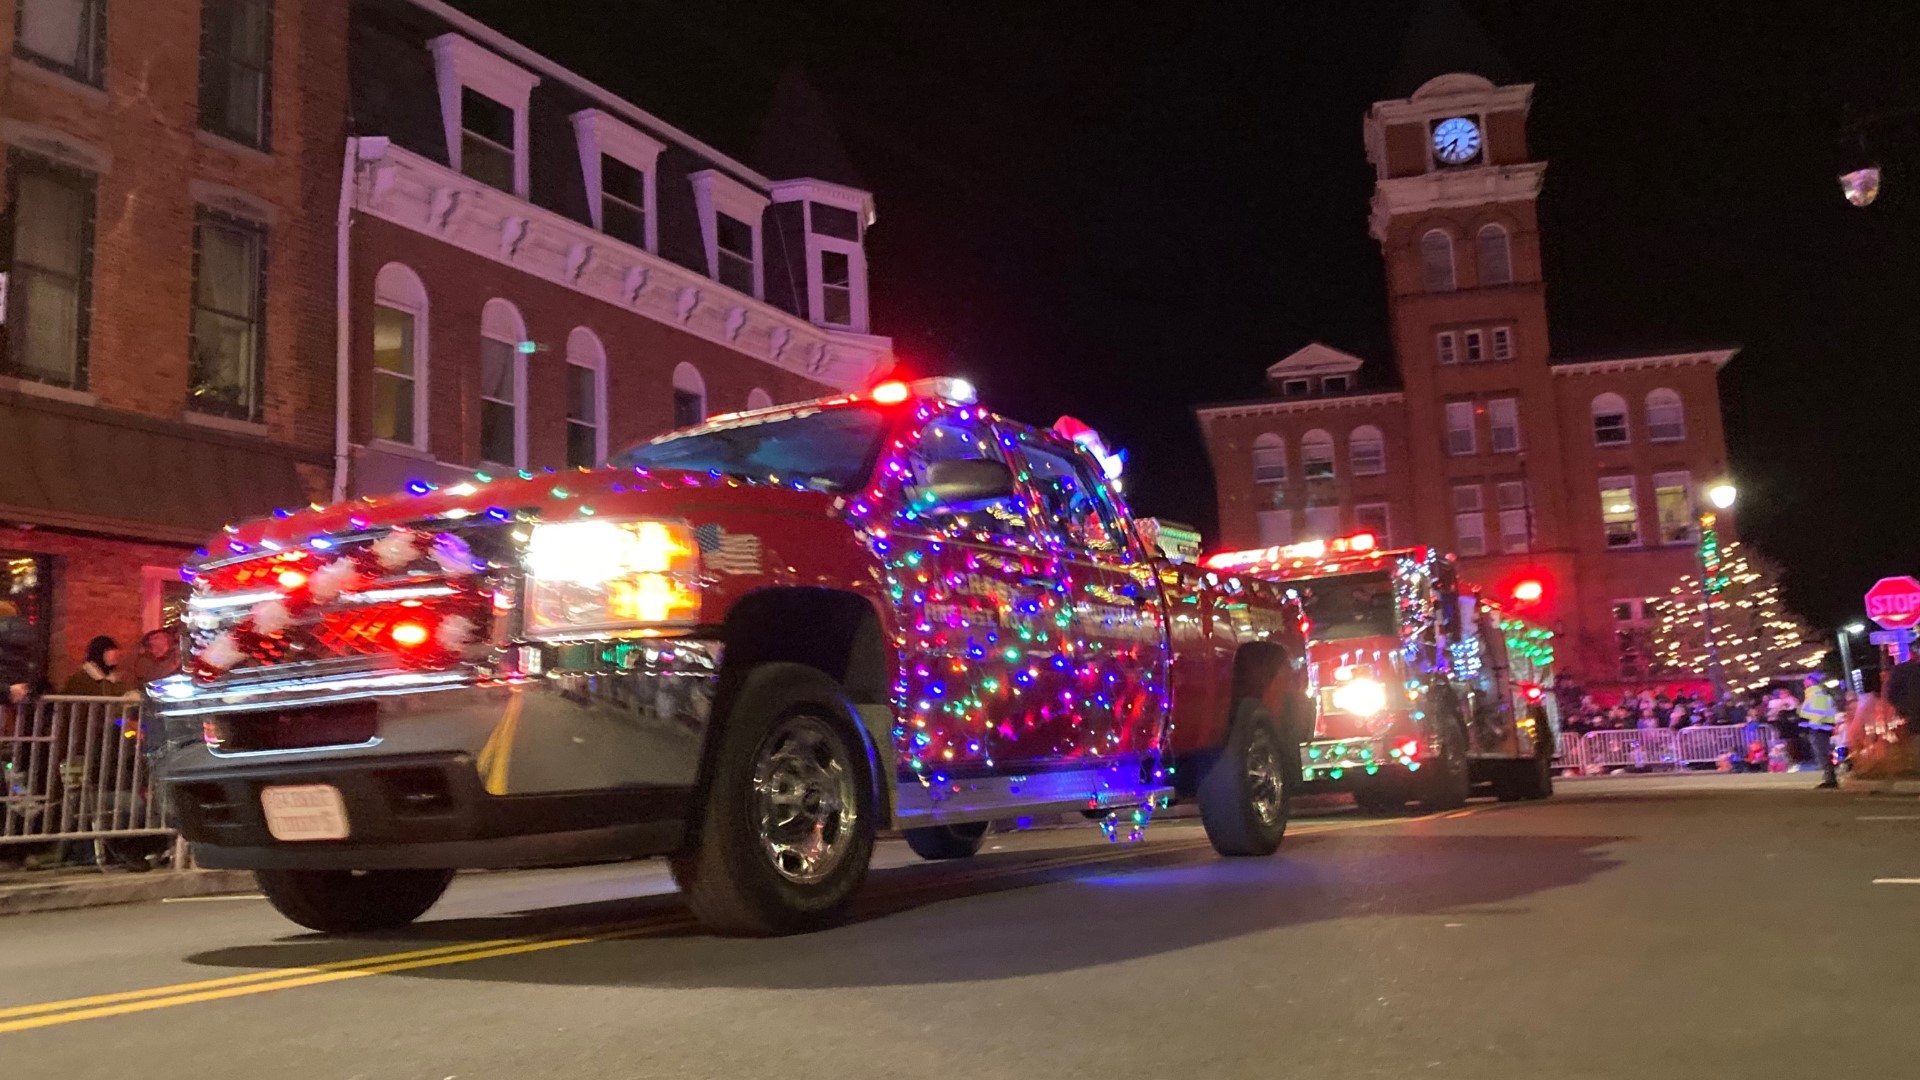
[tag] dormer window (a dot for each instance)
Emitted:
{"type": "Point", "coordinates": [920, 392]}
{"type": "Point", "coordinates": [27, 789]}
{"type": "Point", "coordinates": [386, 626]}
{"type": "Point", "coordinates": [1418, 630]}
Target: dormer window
{"type": "Point", "coordinates": [1334, 384]}
{"type": "Point", "coordinates": [1294, 387]}
{"type": "Point", "coordinates": [730, 215]}
{"type": "Point", "coordinates": [618, 165]}
{"type": "Point", "coordinates": [834, 220]}
{"type": "Point", "coordinates": [483, 108]}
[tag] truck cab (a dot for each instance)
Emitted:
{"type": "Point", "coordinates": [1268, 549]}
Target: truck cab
{"type": "Point", "coordinates": [747, 647]}
{"type": "Point", "coordinates": [1415, 696]}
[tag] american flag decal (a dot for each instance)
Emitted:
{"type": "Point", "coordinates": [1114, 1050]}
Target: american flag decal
{"type": "Point", "coordinates": [728, 553]}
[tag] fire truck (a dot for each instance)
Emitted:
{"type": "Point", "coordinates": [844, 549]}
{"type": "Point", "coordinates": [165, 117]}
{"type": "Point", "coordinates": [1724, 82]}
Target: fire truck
{"type": "Point", "coordinates": [1424, 689]}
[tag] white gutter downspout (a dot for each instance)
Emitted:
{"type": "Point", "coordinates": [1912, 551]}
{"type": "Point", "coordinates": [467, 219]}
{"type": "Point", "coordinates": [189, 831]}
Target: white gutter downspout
{"type": "Point", "coordinates": [343, 322]}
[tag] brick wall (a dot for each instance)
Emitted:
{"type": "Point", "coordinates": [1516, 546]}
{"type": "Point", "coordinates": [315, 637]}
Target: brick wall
{"type": "Point", "coordinates": [98, 588]}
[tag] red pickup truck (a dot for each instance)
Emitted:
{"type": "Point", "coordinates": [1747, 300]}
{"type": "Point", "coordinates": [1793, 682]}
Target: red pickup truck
{"type": "Point", "coordinates": [747, 647]}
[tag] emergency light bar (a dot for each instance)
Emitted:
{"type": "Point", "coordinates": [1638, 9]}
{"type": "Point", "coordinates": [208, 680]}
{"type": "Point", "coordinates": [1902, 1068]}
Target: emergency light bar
{"type": "Point", "coordinates": [1305, 551]}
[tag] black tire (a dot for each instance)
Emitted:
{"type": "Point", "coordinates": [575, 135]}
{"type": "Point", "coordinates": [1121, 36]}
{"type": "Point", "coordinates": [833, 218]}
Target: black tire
{"type": "Point", "coordinates": [937, 842]}
{"type": "Point", "coordinates": [1539, 770]}
{"type": "Point", "coordinates": [1451, 778]}
{"type": "Point", "coordinates": [728, 872]}
{"type": "Point", "coordinates": [1245, 795]}
{"type": "Point", "coordinates": [352, 901]}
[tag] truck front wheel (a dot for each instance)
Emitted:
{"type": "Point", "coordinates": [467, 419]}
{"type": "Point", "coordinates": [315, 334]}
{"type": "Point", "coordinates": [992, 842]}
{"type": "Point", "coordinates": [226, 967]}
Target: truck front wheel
{"type": "Point", "coordinates": [350, 901]}
{"type": "Point", "coordinates": [786, 831]}
{"type": "Point", "coordinates": [1244, 796]}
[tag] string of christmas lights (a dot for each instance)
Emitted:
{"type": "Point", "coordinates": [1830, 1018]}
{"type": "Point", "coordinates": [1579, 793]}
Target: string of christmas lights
{"type": "Point", "coordinates": [1757, 637]}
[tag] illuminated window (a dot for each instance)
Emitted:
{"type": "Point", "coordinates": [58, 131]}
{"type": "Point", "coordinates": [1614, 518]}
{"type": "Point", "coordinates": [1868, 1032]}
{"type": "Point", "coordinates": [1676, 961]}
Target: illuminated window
{"type": "Point", "coordinates": [1367, 451]}
{"type": "Point", "coordinates": [399, 357]}
{"type": "Point", "coordinates": [1610, 420]}
{"type": "Point", "coordinates": [1619, 512]}
{"type": "Point", "coordinates": [51, 282]}
{"type": "Point", "coordinates": [67, 36]}
{"type": "Point", "coordinates": [503, 386]}
{"type": "Point", "coordinates": [1503, 425]}
{"type": "Point", "coordinates": [1460, 436]}
{"type": "Point", "coordinates": [1269, 460]}
{"type": "Point", "coordinates": [225, 365]}
{"type": "Point", "coordinates": [236, 69]}
{"type": "Point", "coordinates": [1496, 258]}
{"type": "Point", "coordinates": [586, 399]}
{"type": "Point", "coordinates": [1666, 420]}
{"type": "Point", "coordinates": [1673, 502]}
{"type": "Point", "coordinates": [1316, 455]}
{"type": "Point", "coordinates": [1436, 261]}
{"type": "Point", "coordinates": [1469, 520]}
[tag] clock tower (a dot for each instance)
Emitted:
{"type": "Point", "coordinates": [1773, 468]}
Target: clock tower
{"type": "Point", "coordinates": [1454, 211]}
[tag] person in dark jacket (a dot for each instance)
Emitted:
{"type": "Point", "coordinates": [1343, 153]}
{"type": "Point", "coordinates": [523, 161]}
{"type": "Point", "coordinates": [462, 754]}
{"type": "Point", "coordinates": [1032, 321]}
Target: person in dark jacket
{"type": "Point", "coordinates": [100, 675]}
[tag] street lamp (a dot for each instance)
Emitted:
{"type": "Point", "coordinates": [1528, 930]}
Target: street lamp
{"type": "Point", "coordinates": [1846, 653]}
{"type": "Point", "coordinates": [1721, 494]}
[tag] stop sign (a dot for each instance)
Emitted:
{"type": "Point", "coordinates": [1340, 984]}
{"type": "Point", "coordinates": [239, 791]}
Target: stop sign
{"type": "Point", "coordinates": [1894, 603]}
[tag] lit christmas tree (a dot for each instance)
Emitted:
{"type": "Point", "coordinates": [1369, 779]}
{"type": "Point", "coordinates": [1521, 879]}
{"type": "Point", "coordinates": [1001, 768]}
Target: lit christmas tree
{"type": "Point", "coordinates": [1758, 637]}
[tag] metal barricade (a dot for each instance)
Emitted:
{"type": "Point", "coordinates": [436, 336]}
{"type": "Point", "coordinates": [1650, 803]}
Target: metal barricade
{"type": "Point", "coordinates": [1657, 748]}
{"type": "Point", "coordinates": [73, 770]}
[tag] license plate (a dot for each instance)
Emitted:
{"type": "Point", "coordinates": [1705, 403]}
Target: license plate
{"type": "Point", "coordinates": [305, 812]}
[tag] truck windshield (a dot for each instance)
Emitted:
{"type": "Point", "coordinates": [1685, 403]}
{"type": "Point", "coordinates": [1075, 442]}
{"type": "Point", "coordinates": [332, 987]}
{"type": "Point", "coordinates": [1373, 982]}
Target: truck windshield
{"type": "Point", "coordinates": [826, 449]}
{"type": "Point", "coordinates": [1357, 605]}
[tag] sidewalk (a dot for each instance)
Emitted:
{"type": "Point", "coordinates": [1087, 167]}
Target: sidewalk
{"type": "Point", "coordinates": [84, 887]}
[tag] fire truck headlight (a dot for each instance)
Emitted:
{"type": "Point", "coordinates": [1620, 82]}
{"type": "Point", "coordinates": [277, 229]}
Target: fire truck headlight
{"type": "Point", "coordinates": [607, 576]}
{"type": "Point", "coordinates": [1360, 697]}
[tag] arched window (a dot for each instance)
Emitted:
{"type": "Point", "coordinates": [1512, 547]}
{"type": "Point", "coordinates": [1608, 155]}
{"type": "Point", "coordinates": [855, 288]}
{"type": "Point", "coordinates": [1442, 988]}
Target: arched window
{"type": "Point", "coordinates": [586, 399]}
{"type": "Point", "coordinates": [1316, 455]}
{"type": "Point", "coordinates": [1496, 256]}
{"type": "Point", "coordinates": [400, 357]}
{"type": "Point", "coordinates": [503, 386]}
{"type": "Point", "coordinates": [1366, 451]}
{"type": "Point", "coordinates": [758, 399]}
{"type": "Point", "coordinates": [1610, 420]}
{"type": "Point", "coordinates": [1269, 460]}
{"type": "Point", "coordinates": [1666, 420]}
{"type": "Point", "coordinates": [1436, 261]}
{"type": "Point", "coordinates": [689, 396]}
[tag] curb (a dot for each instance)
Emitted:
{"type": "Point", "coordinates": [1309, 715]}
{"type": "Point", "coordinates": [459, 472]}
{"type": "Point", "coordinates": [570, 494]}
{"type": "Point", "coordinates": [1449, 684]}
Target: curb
{"type": "Point", "coordinates": [101, 890]}
{"type": "Point", "coordinates": [1882, 787]}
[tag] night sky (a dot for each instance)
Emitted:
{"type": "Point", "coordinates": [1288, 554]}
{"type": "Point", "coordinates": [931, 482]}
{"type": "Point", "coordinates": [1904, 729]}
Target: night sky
{"type": "Point", "coordinates": [1124, 217]}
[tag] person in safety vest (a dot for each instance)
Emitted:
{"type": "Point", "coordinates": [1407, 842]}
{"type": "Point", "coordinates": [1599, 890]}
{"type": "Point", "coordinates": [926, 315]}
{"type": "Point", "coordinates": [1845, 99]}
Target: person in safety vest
{"type": "Point", "coordinates": [1817, 713]}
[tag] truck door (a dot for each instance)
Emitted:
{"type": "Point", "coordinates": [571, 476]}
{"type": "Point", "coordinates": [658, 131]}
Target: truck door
{"type": "Point", "coordinates": [1115, 663]}
{"type": "Point", "coordinates": [970, 588]}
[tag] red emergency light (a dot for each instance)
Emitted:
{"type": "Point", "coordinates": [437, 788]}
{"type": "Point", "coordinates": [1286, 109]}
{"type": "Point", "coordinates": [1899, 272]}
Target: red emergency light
{"type": "Point", "coordinates": [1305, 551]}
{"type": "Point", "coordinates": [1529, 591]}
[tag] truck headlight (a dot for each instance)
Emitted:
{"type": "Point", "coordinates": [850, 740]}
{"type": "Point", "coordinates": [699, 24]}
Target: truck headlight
{"type": "Point", "coordinates": [598, 576]}
{"type": "Point", "coordinates": [1360, 697]}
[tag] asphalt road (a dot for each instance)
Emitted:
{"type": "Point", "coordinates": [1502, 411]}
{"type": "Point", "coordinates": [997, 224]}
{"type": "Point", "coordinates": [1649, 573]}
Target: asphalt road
{"type": "Point", "coordinates": [1626, 929]}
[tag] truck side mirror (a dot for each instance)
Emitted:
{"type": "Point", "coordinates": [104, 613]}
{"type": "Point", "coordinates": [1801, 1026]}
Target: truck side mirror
{"type": "Point", "coordinates": [959, 483]}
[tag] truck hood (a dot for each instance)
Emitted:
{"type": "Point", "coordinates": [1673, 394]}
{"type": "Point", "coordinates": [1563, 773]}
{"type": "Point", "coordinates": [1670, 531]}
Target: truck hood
{"type": "Point", "coordinates": [549, 496]}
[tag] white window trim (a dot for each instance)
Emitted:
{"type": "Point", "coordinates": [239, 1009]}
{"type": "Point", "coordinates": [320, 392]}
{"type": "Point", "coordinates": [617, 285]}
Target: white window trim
{"type": "Point", "coordinates": [1526, 530]}
{"type": "Point", "coordinates": [1473, 435]}
{"type": "Point", "coordinates": [1493, 426]}
{"type": "Point", "coordinates": [519, 461]}
{"type": "Point", "coordinates": [1446, 347]}
{"type": "Point", "coordinates": [1470, 342]}
{"type": "Point", "coordinates": [597, 364]}
{"type": "Point", "coordinates": [1379, 466]}
{"type": "Point", "coordinates": [597, 133]}
{"type": "Point", "coordinates": [1626, 422]}
{"type": "Point", "coordinates": [1480, 249]}
{"type": "Point", "coordinates": [1305, 386]}
{"type": "Point", "coordinates": [420, 314]}
{"type": "Point", "coordinates": [806, 193]}
{"type": "Point", "coordinates": [1327, 387]}
{"type": "Point", "coordinates": [1479, 519]}
{"type": "Point", "coordinates": [1682, 479]}
{"type": "Point", "coordinates": [716, 192]}
{"type": "Point", "coordinates": [1639, 524]}
{"type": "Point", "coordinates": [1254, 456]}
{"type": "Point", "coordinates": [458, 64]}
{"type": "Point", "coordinates": [699, 388]}
{"type": "Point", "coordinates": [1309, 459]}
{"type": "Point", "coordinates": [1679, 404]}
{"type": "Point", "coordinates": [1502, 348]}
{"type": "Point", "coordinates": [1453, 264]}
{"type": "Point", "coordinates": [153, 581]}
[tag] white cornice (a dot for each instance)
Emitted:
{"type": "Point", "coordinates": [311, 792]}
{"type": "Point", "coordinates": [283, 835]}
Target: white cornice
{"type": "Point", "coordinates": [807, 189]}
{"type": "Point", "coordinates": [1453, 189]}
{"type": "Point", "coordinates": [1719, 358]}
{"type": "Point", "coordinates": [1268, 408]}
{"type": "Point", "coordinates": [414, 193]}
{"type": "Point", "coordinates": [1316, 359]}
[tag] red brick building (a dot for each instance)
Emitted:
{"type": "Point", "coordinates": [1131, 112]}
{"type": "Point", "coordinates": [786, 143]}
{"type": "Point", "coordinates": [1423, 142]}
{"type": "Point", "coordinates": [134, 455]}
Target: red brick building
{"type": "Point", "coordinates": [167, 321]}
{"type": "Point", "coordinates": [1581, 473]}
{"type": "Point", "coordinates": [539, 271]}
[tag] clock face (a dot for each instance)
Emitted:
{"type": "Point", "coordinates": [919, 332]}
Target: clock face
{"type": "Point", "coordinates": [1456, 141]}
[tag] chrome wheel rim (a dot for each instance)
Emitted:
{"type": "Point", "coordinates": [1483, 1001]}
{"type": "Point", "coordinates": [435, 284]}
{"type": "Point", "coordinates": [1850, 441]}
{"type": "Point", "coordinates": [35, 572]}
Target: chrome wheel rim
{"type": "Point", "coordinates": [1265, 784]}
{"type": "Point", "coordinates": [802, 802]}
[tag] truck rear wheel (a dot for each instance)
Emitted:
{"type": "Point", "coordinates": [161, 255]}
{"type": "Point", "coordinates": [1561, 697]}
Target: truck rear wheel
{"type": "Point", "coordinates": [786, 831]}
{"type": "Point", "coordinates": [936, 842]}
{"type": "Point", "coordinates": [1244, 796]}
{"type": "Point", "coordinates": [349, 901]}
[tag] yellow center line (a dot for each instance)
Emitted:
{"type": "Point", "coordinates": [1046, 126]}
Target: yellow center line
{"type": "Point", "coordinates": [99, 1006]}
